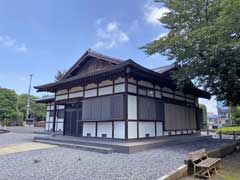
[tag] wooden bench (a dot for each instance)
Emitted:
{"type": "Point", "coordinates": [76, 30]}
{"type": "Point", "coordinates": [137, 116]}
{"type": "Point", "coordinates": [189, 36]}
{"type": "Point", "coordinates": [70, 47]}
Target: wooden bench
{"type": "Point", "coordinates": [203, 165]}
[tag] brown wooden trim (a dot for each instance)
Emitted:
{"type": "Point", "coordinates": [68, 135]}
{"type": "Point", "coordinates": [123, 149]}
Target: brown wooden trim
{"type": "Point", "coordinates": [75, 91]}
{"type": "Point", "coordinates": [96, 129]}
{"type": "Point", "coordinates": [97, 89]}
{"type": "Point", "coordinates": [113, 89]}
{"type": "Point", "coordinates": [126, 107]}
{"type": "Point", "coordinates": [155, 124]}
{"type": "Point", "coordinates": [62, 94]}
{"type": "Point", "coordinates": [64, 121]}
{"type": "Point", "coordinates": [102, 120]}
{"type": "Point", "coordinates": [141, 120]}
{"type": "Point", "coordinates": [83, 91]}
{"type": "Point", "coordinates": [137, 110]}
{"type": "Point", "coordinates": [54, 117]}
{"type": "Point", "coordinates": [113, 129]}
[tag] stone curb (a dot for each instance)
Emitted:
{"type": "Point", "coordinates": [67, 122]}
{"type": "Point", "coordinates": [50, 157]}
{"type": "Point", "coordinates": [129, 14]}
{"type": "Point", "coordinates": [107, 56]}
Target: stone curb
{"type": "Point", "coordinates": [181, 171]}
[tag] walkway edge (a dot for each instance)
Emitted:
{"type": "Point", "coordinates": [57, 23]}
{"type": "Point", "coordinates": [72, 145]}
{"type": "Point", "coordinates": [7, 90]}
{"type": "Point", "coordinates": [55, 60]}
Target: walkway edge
{"type": "Point", "coordinates": [180, 172]}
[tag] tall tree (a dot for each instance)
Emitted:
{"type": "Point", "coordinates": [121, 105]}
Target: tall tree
{"type": "Point", "coordinates": [204, 41]}
{"type": "Point", "coordinates": [8, 107]}
{"type": "Point", "coordinates": [38, 111]}
{"type": "Point", "coordinates": [59, 75]}
{"type": "Point", "coordinates": [235, 114]}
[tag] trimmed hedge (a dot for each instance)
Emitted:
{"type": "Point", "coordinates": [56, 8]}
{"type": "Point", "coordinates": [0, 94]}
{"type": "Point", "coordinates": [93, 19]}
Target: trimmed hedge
{"type": "Point", "coordinates": [229, 130]}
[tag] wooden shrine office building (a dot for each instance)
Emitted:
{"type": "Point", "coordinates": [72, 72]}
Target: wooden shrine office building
{"type": "Point", "coordinates": [101, 96]}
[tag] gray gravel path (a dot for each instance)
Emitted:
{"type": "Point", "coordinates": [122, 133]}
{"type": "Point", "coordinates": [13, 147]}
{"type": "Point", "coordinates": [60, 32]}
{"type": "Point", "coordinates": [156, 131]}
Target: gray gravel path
{"type": "Point", "coordinates": [12, 138]}
{"type": "Point", "coordinates": [71, 164]}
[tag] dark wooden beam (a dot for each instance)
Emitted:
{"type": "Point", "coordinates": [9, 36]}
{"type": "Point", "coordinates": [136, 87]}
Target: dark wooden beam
{"type": "Point", "coordinates": [126, 107]}
{"type": "Point", "coordinates": [54, 118]}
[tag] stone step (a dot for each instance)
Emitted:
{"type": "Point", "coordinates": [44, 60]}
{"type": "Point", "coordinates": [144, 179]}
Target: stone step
{"type": "Point", "coordinates": [98, 149]}
{"type": "Point", "coordinates": [80, 141]}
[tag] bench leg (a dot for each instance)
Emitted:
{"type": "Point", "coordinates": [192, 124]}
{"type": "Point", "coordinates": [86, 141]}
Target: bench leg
{"type": "Point", "coordinates": [209, 175]}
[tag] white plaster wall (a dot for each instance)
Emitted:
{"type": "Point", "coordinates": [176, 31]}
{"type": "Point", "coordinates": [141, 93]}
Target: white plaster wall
{"type": "Point", "coordinates": [132, 80]}
{"type": "Point", "coordinates": [132, 130]}
{"type": "Point", "coordinates": [159, 129]}
{"type": "Point", "coordinates": [60, 107]}
{"type": "Point", "coordinates": [167, 95]}
{"type": "Point", "coordinates": [60, 97]}
{"type": "Point", "coordinates": [51, 119]}
{"type": "Point", "coordinates": [77, 88]}
{"type": "Point", "coordinates": [146, 128]}
{"type": "Point", "coordinates": [119, 88]}
{"type": "Point", "coordinates": [132, 107]}
{"type": "Point", "coordinates": [120, 80]}
{"type": "Point", "coordinates": [90, 86]}
{"type": "Point", "coordinates": [89, 127]}
{"type": "Point", "coordinates": [179, 98]}
{"type": "Point", "coordinates": [60, 120]}
{"type": "Point", "coordinates": [119, 129]}
{"type": "Point", "coordinates": [46, 126]}
{"type": "Point", "coordinates": [104, 128]}
{"type": "Point", "coordinates": [47, 116]}
{"type": "Point", "coordinates": [63, 91]}
{"type": "Point", "coordinates": [132, 88]}
{"type": "Point", "coordinates": [105, 83]}
{"type": "Point", "coordinates": [105, 90]}
{"type": "Point", "coordinates": [48, 107]}
{"type": "Point", "coordinates": [50, 126]}
{"type": "Point", "coordinates": [77, 94]}
{"type": "Point", "coordinates": [145, 83]}
{"type": "Point", "coordinates": [91, 93]}
{"type": "Point", "coordinates": [158, 94]}
{"type": "Point", "coordinates": [59, 126]}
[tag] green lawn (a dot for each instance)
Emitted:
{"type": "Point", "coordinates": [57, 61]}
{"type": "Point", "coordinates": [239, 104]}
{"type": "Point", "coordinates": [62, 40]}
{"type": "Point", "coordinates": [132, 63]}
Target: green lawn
{"type": "Point", "coordinates": [229, 130]}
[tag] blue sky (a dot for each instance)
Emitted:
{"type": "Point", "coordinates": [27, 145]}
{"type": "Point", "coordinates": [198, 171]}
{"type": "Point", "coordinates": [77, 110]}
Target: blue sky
{"type": "Point", "coordinates": [41, 37]}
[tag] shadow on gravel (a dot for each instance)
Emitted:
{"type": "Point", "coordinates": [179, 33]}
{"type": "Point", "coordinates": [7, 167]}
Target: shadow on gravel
{"type": "Point", "coordinates": [2, 131]}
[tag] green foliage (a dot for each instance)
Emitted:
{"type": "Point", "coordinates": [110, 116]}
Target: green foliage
{"type": "Point", "coordinates": [229, 130]}
{"type": "Point", "coordinates": [59, 75]}
{"type": "Point", "coordinates": [235, 114]}
{"type": "Point", "coordinates": [38, 111]}
{"type": "Point", "coordinates": [8, 108]}
{"type": "Point", "coordinates": [204, 41]}
{"type": "Point", "coordinates": [204, 110]}
{"type": "Point", "coordinates": [13, 108]}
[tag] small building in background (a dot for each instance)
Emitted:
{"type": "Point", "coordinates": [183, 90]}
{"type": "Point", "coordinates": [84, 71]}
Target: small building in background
{"type": "Point", "coordinates": [221, 118]}
{"type": "Point", "coordinates": [212, 121]}
{"type": "Point", "coordinates": [223, 114]}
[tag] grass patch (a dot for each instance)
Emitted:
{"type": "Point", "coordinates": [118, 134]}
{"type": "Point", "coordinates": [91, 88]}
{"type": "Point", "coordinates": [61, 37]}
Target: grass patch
{"type": "Point", "coordinates": [229, 130]}
{"type": "Point", "coordinates": [231, 165]}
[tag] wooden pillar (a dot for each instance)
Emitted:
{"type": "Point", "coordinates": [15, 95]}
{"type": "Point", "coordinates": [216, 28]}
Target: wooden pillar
{"type": "Point", "coordinates": [54, 119]}
{"type": "Point", "coordinates": [126, 107]}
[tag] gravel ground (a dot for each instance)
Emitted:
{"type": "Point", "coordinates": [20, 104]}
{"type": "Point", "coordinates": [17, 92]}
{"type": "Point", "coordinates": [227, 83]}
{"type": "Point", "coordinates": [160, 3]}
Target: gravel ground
{"type": "Point", "coordinates": [63, 163]}
{"type": "Point", "coordinates": [12, 138]}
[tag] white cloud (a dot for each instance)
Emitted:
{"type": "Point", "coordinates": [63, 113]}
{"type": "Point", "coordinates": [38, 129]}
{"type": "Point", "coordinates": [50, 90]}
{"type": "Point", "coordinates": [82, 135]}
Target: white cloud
{"type": "Point", "coordinates": [22, 48]}
{"type": "Point", "coordinates": [10, 42]}
{"type": "Point", "coordinates": [110, 35]}
{"type": "Point", "coordinates": [163, 34]}
{"type": "Point", "coordinates": [153, 13]}
{"type": "Point", "coordinates": [210, 104]}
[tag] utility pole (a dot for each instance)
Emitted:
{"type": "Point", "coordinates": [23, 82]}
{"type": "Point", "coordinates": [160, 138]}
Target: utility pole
{"type": "Point", "coordinates": [28, 98]}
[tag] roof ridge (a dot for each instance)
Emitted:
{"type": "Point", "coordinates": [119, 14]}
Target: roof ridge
{"type": "Point", "coordinates": [90, 51]}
